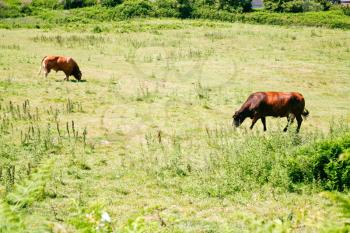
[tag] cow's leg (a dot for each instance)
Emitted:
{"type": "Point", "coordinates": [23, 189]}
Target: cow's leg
{"type": "Point", "coordinates": [290, 120]}
{"type": "Point", "coordinates": [67, 77]}
{"type": "Point", "coordinates": [263, 120]}
{"type": "Point", "coordinates": [299, 120]}
{"type": "Point", "coordinates": [255, 119]}
{"type": "Point", "coordinates": [46, 71]}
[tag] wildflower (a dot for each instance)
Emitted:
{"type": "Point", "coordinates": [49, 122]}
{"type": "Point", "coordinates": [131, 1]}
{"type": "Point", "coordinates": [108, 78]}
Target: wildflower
{"type": "Point", "coordinates": [105, 217]}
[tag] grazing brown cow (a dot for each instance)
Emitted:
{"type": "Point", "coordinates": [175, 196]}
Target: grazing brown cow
{"type": "Point", "coordinates": [277, 104]}
{"type": "Point", "coordinates": [65, 64]}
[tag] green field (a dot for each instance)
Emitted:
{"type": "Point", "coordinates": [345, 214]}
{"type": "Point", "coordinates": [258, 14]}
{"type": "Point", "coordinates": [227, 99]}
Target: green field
{"type": "Point", "coordinates": [147, 136]}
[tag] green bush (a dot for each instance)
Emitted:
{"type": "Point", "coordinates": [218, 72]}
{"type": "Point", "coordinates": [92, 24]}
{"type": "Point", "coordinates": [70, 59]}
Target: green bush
{"type": "Point", "coordinates": [296, 5]}
{"type": "Point", "coordinates": [166, 8]}
{"type": "Point", "coordinates": [138, 8]}
{"type": "Point", "coordinates": [25, 9]}
{"type": "Point", "coordinates": [330, 19]}
{"type": "Point", "coordinates": [326, 163]}
{"type": "Point", "coordinates": [69, 4]}
{"type": "Point", "coordinates": [313, 6]}
{"type": "Point", "coordinates": [63, 4]}
{"type": "Point", "coordinates": [44, 18]}
{"type": "Point", "coordinates": [227, 5]}
{"type": "Point", "coordinates": [293, 6]}
{"type": "Point", "coordinates": [110, 3]}
{"type": "Point", "coordinates": [236, 5]}
{"type": "Point", "coordinates": [51, 4]}
{"type": "Point", "coordinates": [9, 12]}
{"type": "Point", "coordinates": [346, 10]}
{"type": "Point", "coordinates": [285, 162]}
{"type": "Point", "coordinates": [185, 8]}
{"type": "Point", "coordinates": [173, 8]}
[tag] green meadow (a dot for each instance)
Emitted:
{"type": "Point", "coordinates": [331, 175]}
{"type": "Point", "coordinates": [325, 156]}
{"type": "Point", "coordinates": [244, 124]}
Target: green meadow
{"type": "Point", "coordinates": [147, 137]}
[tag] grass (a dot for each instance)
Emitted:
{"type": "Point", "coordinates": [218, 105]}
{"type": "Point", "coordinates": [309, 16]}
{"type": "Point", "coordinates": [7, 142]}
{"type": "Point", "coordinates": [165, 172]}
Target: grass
{"type": "Point", "coordinates": [148, 137]}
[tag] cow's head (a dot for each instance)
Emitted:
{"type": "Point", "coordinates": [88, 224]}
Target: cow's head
{"type": "Point", "coordinates": [77, 73]}
{"type": "Point", "coordinates": [238, 118]}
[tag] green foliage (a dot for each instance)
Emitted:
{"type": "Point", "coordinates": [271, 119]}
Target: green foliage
{"type": "Point", "coordinates": [313, 6]}
{"type": "Point", "coordinates": [331, 19]}
{"type": "Point", "coordinates": [185, 8]}
{"type": "Point", "coordinates": [166, 8]}
{"type": "Point", "coordinates": [295, 6]}
{"type": "Point", "coordinates": [216, 10]}
{"type": "Point", "coordinates": [326, 163]}
{"type": "Point", "coordinates": [69, 4]}
{"type": "Point", "coordinates": [133, 8]}
{"type": "Point", "coordinates": [30, 190]}
{"type": "Point", "coordinates": [110, 3]}
{"type": "Point", "coordinates": [346, 10]}
{"type": "Point", "coordinates": [26, 164]}
{"type": "Point", "coordinates": [51, 4]}
{"type": "Point", "coordinates": [91, 219]}
{"type": "Point", "coordinates": [342, 201]}
{"type": "Point", "coordinates": [285, 162]}
{"type": "Point", "coordinates": [236, 5]}
{"type": "Point", "coordinates": [9, 11]}
{"type": "Point", "coordinates": [9, 221]}
{"type": "Point", "coordinates": [227, 5]}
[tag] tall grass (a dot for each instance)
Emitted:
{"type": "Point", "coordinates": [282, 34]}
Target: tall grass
{"type": "Point", "coordinates": [232, 162]}
{"type": "Point", "coordinates": [29, 142]}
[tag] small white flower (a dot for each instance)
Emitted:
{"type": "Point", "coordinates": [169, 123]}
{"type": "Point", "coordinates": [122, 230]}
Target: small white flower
{"type": "Point", "coordinates": [105, 217]}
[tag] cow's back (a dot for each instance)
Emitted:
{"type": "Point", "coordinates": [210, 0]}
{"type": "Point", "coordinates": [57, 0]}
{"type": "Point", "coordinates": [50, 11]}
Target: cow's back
{"type": "Point", "coordinates": [280, 104]}
{"type": "Point", "coordinates": [66, 64]}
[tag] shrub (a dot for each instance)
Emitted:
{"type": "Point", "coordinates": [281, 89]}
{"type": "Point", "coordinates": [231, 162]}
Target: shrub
{"type": "Point", "coordinates": [228, 5]}
{"type": "Point", "coordinates": [52, 4]}
{"type": "Point", "coordinates": [97, 29]}
{"type": "Point", "coordinates": [313, 6]}
{"type": "Point", "coordinates": [293, 6]}
{"type": "Point", "coordinates": [346, 10]}
{"type": "Point", "coordinates": [166, 8]}
{"type": "Point", "coordinates": [185, 8]}
{"type": "Point", "coordinates": [234, 5]}
{"type": "Point", "coordinates": [9, 11]}
{"type": "Point", "coordinates": [173, 8]}
{"type": "Point", "coordinates": [68, 4]}
{"type": "Point", "coordinates": [327, 163]}
{"type": "Point", "coordinates": [296, 5]}
{"type": "Point", "coordinates": [25, 9]}
{"type": "Point", "coordinates": [129, 9]}
{"type": "Point", "coordinates": [110, 3]}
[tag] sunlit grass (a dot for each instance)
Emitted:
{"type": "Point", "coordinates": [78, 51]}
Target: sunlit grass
{"type": "Point", "coordinates": [159, 152]}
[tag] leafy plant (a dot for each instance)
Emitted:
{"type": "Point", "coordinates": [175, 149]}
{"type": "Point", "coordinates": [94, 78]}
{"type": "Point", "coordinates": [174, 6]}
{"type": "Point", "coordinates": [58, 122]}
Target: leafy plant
{"type": "Point", "coordinates": [342, 201]}
{"type": "Point", "coordinates": [110, 3]}
{"type": "Point", "coordinates": [138, 8]}
{"type": "Point", "coordinates": [346, 10]}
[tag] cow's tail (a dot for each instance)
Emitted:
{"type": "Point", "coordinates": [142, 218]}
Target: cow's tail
{"type": "Point", "coordinates": [305, 113]}
{"type": "Point", "coordinates": [41, 65]}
